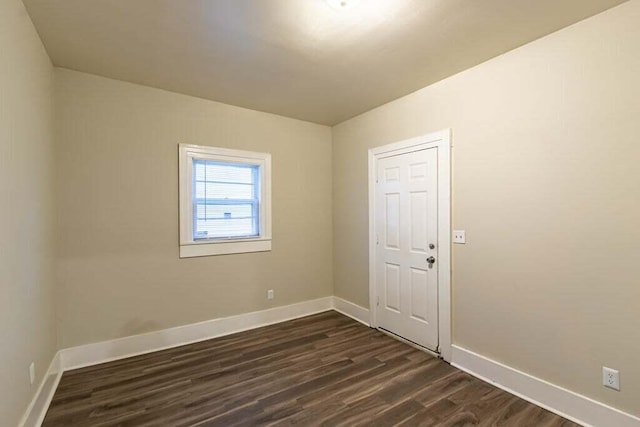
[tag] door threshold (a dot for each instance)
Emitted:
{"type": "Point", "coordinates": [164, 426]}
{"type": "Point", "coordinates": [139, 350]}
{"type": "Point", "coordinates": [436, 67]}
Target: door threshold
{"type": "Point", "coordinates": [409, 342]}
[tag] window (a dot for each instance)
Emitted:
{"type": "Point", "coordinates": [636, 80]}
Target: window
{"type": "Point", "coordinates": [224, 201]}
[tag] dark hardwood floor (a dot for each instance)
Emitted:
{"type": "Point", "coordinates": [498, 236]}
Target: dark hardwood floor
{"type": "Point", "coordinates": [324, 369]}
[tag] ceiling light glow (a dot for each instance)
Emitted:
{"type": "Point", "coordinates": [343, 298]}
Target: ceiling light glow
{"type": "Point", "coordinates": [342, 4]}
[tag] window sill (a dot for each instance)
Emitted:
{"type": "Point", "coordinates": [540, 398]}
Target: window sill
{"type": "Point", "coordinates": [224, 248]}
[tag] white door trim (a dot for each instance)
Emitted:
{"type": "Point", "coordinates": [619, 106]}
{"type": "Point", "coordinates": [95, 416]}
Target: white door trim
{"type": "Point", "coordinates": [441, 140]}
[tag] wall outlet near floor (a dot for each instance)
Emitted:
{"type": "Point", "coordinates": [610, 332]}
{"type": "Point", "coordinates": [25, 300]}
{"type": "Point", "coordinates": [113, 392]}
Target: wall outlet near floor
{"type": "Point", "coordinates": [270, 294]}
{"type": "Point", "coordinates": [459, 236]}
{"type": "Point", "coordinates": [610, 378]}
{"type": "Point", "coordinates": [32, 373]}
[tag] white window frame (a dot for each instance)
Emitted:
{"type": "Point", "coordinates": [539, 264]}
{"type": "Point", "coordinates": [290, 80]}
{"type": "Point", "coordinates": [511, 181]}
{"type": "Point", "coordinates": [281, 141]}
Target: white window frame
{"type": "Point", "coordinates": [206, 247]}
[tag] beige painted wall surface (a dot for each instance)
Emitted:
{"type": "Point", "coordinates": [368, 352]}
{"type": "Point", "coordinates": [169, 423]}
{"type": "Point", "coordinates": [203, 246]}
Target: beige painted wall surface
{"type": "Point", "coordinates": [118, 269]}
{"type": "Point", "coordinates": [546, 177]}
{"type": "Point", "coordinates": [27, 316]}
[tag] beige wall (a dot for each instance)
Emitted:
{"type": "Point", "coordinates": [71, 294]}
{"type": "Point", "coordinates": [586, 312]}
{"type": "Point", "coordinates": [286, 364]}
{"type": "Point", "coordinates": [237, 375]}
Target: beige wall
{"type": "Point", "coordinates": [27, 317]}
{"type": "Point", "coordinates": [545, 183]}
{"type": "Point", "coordinates": [546, 179]}
{"type": "Point", "coordinates": [118, 270]}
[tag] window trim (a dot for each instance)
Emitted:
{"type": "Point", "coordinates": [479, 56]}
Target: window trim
{"type": "Point", "coordinates": [196, 248]}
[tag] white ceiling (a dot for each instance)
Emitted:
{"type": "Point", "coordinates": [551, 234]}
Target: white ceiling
{"type": "Point", "coordinates": [298, 58]}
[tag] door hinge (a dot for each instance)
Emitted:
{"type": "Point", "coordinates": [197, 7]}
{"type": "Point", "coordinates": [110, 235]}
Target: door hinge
{"type": "Point", "coordinates": [377, 239]}
{"type": "Point", "coordinates": [378, 301]}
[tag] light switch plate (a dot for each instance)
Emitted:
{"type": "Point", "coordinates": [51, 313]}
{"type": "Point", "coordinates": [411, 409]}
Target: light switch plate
{"type": "Point", "coordinates": [459, 236]}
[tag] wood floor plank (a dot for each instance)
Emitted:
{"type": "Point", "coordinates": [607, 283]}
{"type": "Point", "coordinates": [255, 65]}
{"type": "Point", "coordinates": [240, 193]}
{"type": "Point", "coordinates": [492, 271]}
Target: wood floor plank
{"type": "Point", "coordinates": [324, 369]}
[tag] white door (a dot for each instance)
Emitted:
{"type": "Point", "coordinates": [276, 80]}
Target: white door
{"type": "Point", "coordinates": [406, 263]}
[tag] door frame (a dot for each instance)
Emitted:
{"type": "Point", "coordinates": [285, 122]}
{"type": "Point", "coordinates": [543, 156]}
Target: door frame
{"type": "Point", "coordinates": [442, 141]}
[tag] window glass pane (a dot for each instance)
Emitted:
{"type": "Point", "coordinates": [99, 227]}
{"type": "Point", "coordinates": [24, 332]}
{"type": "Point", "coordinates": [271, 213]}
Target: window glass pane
{"type": "Point", "coordinates": [225, 203]}
{"type": "Point", "coordinates": [206, 170]}
{"type": "Point", "coordinates": [224, 211]}
{"type": "Point", "coordinates": [218, 190]}
{"type": "Point", "coordinates": [224, 228]}
{"type": "Point", "coordinates": [228, 173]}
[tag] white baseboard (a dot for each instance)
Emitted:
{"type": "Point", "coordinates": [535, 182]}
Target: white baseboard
{"type": "Point", "coordinates": [37, 409]}
{"type": "Point", "coordinates": [106, 351]}
{"type": "Point", "coordinates": [352, 310]}
{"type": "Point", "coordinates": [566, 403]}
{"type": "Point", "coordinates": [120, 348]}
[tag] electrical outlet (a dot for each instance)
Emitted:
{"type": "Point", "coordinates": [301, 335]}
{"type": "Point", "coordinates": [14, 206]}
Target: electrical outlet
{"type": "Point", "coordinates": [610, 378]}
{"type": "Point", "coordinates": [270, 294]}
{"type": "Point", "coordinates": [32, 373]}
{"type": "Point", "coordinates": [459, 236]}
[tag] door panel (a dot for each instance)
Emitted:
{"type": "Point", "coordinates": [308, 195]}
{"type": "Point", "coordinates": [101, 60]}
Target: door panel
{"type": "Point", "coordinates": [406, 225]}
{"type": "Point", "coordinates": [392, 220]}
{"type": "Point", "coordinates": [419, 294]}
{"type": "Point", "coordinates": [392, 287]}
{"type": "Point", "coordinates": [418, 203]}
